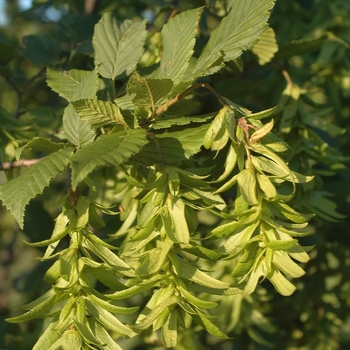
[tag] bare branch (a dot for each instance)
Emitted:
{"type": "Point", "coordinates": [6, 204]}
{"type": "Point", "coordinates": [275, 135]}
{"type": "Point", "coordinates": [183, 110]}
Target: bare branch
{"type": "Point", "coordinates": [19, 163]}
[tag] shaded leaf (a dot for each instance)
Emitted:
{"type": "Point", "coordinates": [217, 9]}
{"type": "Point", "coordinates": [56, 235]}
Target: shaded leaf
{"type": "Point", "coordinates": [109, 150]}
{"type": "Point", "coordinates": [118, 45]}
{"type": "Point", "coordinates": [17, 193]}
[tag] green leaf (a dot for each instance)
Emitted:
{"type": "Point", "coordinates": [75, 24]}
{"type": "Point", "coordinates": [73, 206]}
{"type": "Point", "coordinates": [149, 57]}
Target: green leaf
{"type": "Point", "coordinates": [174, 146]}
{"type": "Point", "coordinates": [109, 257]}
{"type": "Point", "coordinates": [190, 272]}
{"type": "Point", "coordinates": [17, 193]}
{"type": "Point", "coordinates": [73, 85]}
{"type": "Point", "coordinates": [266, 186]}
{"type": "Point", "coordinates": [247, 261]}
{"type": "Point", "coordinates": [98, 113]}
{"type": "Point", "coordinates": [261, 132]}
{"type": "Point", "coordinates": [59, 231]}
{"type": "Point", "coordinates": [169, 121]}
{"type": "Point", "coordinates": [282, 245]}
{"type": "Point", "coordinates": [148, 92]}
{"type": "Point", "coordinates": [282, 285]}
{"type": "Point", "coordinates": [42, 49]}
{"type": "Point", "coordinates": [112, 308]}
{"type": "Point", "coordinates": [109, 150]}
{"type": "Point", "coordinates": [267, 46]}
{"type": "Point", "coordinates": [103, 335]}
{"type": "Point", "coordinates": [176, 208]}
{"type": "Point", "coordinates": [77, 131]}
{"type": "Point", "coordinates": [46, 117]}
{"type": "Point", "coordinates": [217, 135]}
{"type": "Point", "coordinates": [39, 144]}
{"type": "Point", "coordinates": [247, 182]}
{"type": "Point", "coordinates": [283, 262]}
{"type": "Point", "coordinates": [118, 45]}
{"type": "Point", "coordinates": [178, 37]}
{"type": "Point", "coordinates": [108, 320]}
{"type": "Point", "coordinates": [285, 211]}
{"type": "Point", "coordinates": [49, 337]}
{"type": "Point", "coordinates": [37, 311]}
{"type": "Point", "coordinates": [203, 321]}
{"type": "Point", "coordinates": [150, 318]}
{"type": "Point", "coordinates": [199, 303]}
{"type": "Point", "coordinates": [70, 339]}
{"type": "Point", "coordinates": [86, 332]}
{"type": "Point", "coordinates": [169, 330]}
{"type": "Point", "coordinates": [155, 258]}
{"type": "Point", "coordinates": [299, 47]}
{"type": "Point", "coordinates": [237, 32]}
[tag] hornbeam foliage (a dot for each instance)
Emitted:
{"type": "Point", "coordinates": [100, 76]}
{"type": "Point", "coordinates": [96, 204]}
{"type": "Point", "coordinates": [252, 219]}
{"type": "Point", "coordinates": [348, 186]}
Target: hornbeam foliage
{"type": "Point", "coordinates": [134, 144]}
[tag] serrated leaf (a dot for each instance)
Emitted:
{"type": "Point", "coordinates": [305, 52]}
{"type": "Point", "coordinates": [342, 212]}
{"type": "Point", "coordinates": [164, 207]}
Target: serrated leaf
{"type": "Point", "coordinates": [169, 121]}
{"type": "Point", "coordinates": [174, 146]}
{"type": "Point", "coordinates": [178, 37]}
{"type": "Point", "coordinates": [17, 193]}
{"type": "Point", "coordinates": [77, 130]}
{"type": "Point", "coordinates": [267, 46]}
{"type": "Point", "coordinates": [39, 144]}
{"type": "Point", "coordinates": [42, 49]}
{"type": "Point", "coordinates": [74, 84]}
{"type": "Point", "coordinates": [98, 113]}
{"type": "Point", "coordinates": [118, 45]}
{"type": "Point", "coordinates": [148, 92]}
{"type": "Point", "coordinates": [237, 32]}
{"type": "Point", "coordinates": [109, 150]}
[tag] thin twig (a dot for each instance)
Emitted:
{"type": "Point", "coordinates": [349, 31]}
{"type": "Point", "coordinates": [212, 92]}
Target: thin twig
{"type": "Point", "coordinates": [19, 163]}
{"type": "Point", "coordinates": [287, 77]}
{"type": "Point", "coordinates": [20, 92]}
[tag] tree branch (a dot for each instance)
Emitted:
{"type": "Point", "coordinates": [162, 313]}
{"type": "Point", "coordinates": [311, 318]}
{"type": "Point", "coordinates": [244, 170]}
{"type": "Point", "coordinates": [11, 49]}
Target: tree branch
{"type": "Point", "coordinates": [19, 163]}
